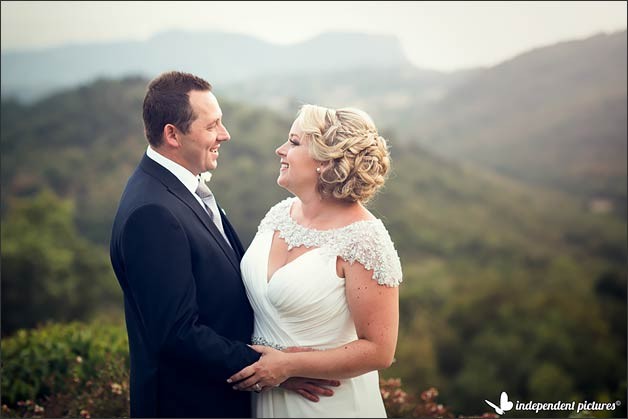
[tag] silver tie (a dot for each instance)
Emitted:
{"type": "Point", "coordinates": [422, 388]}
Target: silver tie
{"type": "Point", "coordinates": [207, 197]}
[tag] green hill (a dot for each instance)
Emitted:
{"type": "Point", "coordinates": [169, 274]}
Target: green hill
{"type": "Point", "coordinates": [554, 116]}
{"type": "Point", "coordinates": [506, 286]}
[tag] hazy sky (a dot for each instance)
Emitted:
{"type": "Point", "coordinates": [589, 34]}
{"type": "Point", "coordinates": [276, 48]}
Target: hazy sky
{"type": "Point", "coordinates": [434, 35]}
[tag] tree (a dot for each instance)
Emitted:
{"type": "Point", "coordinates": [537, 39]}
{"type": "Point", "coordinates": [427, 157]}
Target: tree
{"type": "Point", "coordinates": [49, 272]}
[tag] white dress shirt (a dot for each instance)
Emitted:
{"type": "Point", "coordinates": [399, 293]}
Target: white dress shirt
{"type": "Point", "coordinates": [189, 180]}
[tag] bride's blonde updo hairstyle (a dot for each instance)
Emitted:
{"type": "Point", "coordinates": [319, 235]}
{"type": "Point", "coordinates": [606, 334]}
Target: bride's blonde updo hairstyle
{"type": "Point", "coordinates": [347, 140]}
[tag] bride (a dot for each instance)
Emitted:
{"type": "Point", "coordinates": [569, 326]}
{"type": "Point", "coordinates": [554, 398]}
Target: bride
{"type": "Point", "coordinates": [322, 273]}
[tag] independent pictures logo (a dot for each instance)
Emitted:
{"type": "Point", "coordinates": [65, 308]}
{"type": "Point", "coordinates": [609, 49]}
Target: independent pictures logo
{"type": "Point", "coordinates": [505, 405]}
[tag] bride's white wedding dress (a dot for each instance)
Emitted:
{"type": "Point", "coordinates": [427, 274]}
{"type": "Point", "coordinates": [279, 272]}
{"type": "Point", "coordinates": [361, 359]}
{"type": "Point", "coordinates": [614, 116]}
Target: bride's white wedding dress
{"type": "Point", "coordinates": [304, 304]}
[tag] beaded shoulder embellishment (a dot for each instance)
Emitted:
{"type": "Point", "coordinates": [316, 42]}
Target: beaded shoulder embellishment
{"type": "Point", "coordinates": [367, 242]}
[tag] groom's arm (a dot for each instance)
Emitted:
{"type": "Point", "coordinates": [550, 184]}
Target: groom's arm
{"type": "Point", "coordinates": [157, 258]}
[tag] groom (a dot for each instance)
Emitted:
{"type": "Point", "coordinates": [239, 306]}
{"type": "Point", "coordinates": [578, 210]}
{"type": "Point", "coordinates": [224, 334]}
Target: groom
{"type": "Point", "coordinates": [176, 257]}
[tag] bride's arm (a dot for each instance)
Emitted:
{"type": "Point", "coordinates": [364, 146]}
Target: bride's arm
{"type": "Point", "coordinates": [375, 311]}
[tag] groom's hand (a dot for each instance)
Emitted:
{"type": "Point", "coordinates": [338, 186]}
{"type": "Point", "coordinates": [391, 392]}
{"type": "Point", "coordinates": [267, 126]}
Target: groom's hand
{"type": "Point", "coordinates": [310, 388]}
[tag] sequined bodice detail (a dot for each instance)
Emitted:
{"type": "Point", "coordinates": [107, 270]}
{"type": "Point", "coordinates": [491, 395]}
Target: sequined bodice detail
{"type": "Point", "coordinates": [367, 242]}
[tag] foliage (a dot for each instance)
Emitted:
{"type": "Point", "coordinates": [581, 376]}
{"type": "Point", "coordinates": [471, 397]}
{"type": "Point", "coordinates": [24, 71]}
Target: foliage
{"type": "Point", "coordinates": [106, 395]}
{"type": "Point", "coordinates": [81, 370]}
{"type": "Point", "coordinates": [50, 272]}
{"type": "Point", "coordinates": [38, 362]}
{"type": "Point", "coordinates": [400, 404]}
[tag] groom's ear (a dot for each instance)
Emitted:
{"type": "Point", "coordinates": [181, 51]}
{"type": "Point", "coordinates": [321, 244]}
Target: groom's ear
{"type": "Point", "coordinates": [171, 136]}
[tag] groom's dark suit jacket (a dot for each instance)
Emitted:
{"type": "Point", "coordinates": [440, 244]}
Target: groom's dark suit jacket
{"type": "Point", "coordinates": [187, 314]}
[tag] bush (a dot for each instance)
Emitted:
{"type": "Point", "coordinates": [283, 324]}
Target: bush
{"type": "Point", "coordinates": [70, 369]}
{"type": "Point", "coordinates": [400, 404]}
{"type": "Point", "coordinates": [82, 370]}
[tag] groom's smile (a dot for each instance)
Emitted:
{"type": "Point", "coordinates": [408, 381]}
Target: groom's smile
{"type": "Point", "coordinates": [200, 145]}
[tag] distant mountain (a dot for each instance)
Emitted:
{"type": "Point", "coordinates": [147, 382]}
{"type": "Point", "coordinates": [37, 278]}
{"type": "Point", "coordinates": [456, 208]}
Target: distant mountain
{"type": "Point", "coordinates": [219, 57]}
{"type": "Point", "coordinates": [386, 93]}
{"type": "Point", "coordinates": [554, 116]}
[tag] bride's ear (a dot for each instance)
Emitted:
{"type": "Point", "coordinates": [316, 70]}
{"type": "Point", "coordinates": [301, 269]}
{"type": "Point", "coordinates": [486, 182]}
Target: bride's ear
{"type": "Point", "coordinates": [324, 165]}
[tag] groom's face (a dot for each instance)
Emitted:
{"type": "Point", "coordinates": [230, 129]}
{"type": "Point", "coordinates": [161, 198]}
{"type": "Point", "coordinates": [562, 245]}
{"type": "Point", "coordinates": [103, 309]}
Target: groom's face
{"type": "Point", "coordinates": [199, 147]}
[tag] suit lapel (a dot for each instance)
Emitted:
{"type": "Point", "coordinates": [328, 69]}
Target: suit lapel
{"type": "Point", "coordinates": [231, 234]}
{"type": "Point", "coordinates": [177, 188]}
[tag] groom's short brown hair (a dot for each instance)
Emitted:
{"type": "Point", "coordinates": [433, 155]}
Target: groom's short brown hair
{"type": "Point", "coordinates": [167, 101]}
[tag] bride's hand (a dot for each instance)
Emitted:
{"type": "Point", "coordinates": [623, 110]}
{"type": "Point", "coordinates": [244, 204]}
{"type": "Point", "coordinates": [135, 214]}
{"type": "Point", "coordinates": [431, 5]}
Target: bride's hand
{"type": "Point", "coordinates": [268, 372]}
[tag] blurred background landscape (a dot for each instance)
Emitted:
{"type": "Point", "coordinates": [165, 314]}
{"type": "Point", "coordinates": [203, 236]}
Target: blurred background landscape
{"type": "Point", "coordinates": [506, 203]}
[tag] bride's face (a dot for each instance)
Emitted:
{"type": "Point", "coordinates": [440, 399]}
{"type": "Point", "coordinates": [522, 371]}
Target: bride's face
{"type": "Point", "coordinates": [297, 171]}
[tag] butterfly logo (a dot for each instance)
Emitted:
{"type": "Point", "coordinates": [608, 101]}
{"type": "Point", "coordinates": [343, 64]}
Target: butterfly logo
{"type": "Point", "coordinates": [504, 404]}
